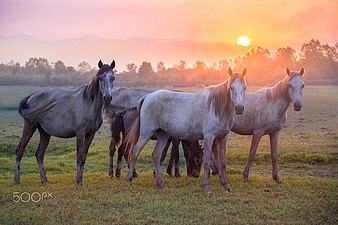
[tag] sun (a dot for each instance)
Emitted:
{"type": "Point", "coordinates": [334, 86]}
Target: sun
{"type": "Point", "coordinates": [243, 41]}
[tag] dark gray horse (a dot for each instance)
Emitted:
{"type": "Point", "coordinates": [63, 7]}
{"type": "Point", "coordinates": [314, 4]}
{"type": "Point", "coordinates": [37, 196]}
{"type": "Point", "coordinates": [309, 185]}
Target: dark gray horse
{"type": "Point", "coordinates": [65, 114]}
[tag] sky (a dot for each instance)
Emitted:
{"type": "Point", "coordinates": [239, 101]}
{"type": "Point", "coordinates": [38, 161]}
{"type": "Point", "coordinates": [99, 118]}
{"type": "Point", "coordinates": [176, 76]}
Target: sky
{"type": "Point", "coordinates": [266, 22]}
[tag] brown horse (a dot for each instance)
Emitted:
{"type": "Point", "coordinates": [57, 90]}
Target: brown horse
{"type": "Point", "coordinates": [65, 114]}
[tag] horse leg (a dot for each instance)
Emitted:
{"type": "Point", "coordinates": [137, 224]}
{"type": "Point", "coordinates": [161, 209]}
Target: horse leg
{"type": "Point", "coordinates": [40, 153]}
{"type": "Point", "coordinates": [141, 142]}
{"type": "Point", "coordinates": [187, 157]}
{"type": "Point", "coordinates": [83, 144]}
{"type": "Point", "coordinates": [215, 162]}
{"type": "Point", "coordinates": [208, 141]}
{"type": "Point", "coordinates": [274, 156]}
{"type": "Point", "coordinates": [175, 152]}
{"type": "Point", "coordinates": [112, 149]}
{"type": "Point", "coordinates": [162, 140]}
{"type": "Point", "coordinates": [252, 153]}
{"type": "Point", "coordinates": [164, 154]}
{"type": "Point", "coordinates": [28, 131]}
{"type": "Point", "coordinates": [121, 153]}
{"type": "Point", "coordinates": [222, 156]}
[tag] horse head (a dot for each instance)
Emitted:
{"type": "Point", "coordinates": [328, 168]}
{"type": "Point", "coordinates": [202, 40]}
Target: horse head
{"type": "Point", "coordinates": [106, 79]}
{"type": "Point", "coordinates": [295, 87]}
{"type": "Point", "coordinates": [237, 86]}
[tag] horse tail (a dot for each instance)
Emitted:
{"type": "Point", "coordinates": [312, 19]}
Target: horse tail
{"type": "Point", "coordinates": [23, 106]}
{"type": "Point", "coordinates": [117, 127]}
{"type": "Point", "coordinates": [34, 114]}
{"type": "Point", "coordinates": [134, 133]}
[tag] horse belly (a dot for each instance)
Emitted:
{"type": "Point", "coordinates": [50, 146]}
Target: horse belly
{"type": "Point", "coordinates": [58, 124]}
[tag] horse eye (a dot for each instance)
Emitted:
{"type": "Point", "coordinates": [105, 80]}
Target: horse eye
{"type": "Point", "coordinates": [302, 86]}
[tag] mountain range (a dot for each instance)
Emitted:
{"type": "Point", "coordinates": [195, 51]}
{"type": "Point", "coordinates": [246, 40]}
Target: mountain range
{"type": "Point", "coordinates": [90, 48]}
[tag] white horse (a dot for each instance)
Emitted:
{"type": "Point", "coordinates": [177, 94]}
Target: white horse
{"type": "Point", "coordinates": [207, 115]}
{"type": "Point", "coordinates": [265, 114]}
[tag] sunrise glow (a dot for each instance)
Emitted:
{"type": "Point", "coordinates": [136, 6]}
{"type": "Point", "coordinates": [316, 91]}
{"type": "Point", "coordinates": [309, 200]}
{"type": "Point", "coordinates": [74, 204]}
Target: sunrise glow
{"type": "Point", "coordinates": [243, 41]}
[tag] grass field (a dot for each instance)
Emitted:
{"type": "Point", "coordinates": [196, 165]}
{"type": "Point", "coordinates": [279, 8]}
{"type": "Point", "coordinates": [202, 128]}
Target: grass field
{"type": "Point", "coordinates": [308, 155]}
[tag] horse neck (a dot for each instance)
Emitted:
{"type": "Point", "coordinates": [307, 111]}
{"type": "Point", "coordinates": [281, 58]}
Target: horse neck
{"type": "Point", "coordinates": [279, 94]}
{"type": "Point", "coordinates": [216, 97]}
{"type": "Point", "coordinates": [93, 95]}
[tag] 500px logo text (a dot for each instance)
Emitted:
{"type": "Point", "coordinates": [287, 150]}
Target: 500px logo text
{"type": "Point", "coordinates": [34, 197]}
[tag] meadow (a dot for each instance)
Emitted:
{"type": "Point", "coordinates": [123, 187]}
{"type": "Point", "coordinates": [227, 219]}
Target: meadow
{"type": "Point", "coordinates": [308, 159]}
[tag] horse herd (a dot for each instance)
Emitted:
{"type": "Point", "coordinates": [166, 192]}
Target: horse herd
{"type": "Point", "coordinates": [167, 116]}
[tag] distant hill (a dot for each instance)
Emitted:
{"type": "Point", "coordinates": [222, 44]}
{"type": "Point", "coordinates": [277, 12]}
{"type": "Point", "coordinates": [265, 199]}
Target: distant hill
{"type": "Point", "coordinates": [91, 48]}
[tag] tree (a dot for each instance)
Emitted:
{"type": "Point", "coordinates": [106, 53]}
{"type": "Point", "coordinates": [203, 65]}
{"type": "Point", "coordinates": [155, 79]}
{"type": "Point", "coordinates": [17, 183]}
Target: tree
{"type": "Point", "coordinates": [131, 69]}
{"type": "Point", "coordinates": [223, 66]}
{"type": "Point", "coordinates": [285, 56]}
{"type": "Point", "coordinates": [60, 68]}
{"type": "Point", "coordinates": [319, 60]}
{"type": "Point", "coordinates": [182, 65]}
{"type": "Point", "coordinates": [199, 66]}
{"type": "Point", "coordinates": [84, 67]}
{"type": "Point", "coordinates": [160, 67]}
{"type": "Point", "coordinates": [146, 70]}
{"type": "Point", "coordinates": [39, 66]}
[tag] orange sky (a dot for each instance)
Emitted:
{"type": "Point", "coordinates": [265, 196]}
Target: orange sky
{"type": "Point", "coordinates": [266, 22]}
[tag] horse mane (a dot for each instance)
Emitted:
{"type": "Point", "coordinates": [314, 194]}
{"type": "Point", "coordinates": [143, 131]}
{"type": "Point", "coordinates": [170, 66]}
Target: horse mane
{"type": "Point", "coordinates": [280, 90]}
{"type": "Point", "coordinates": [216, 99]}
{"type": "Point", "coordinates": [92, 88]}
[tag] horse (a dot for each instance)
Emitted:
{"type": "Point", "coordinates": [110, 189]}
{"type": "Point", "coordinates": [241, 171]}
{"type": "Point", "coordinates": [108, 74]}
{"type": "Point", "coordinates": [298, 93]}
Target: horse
{"type": "Point", "coordinates": [265, 114]}
{"type": "Point", "coordinates": [65, 114]}
{"type": "Point", "coordinates": [207, 115]}
{"type": "Point", "coordinates": [121, 119]}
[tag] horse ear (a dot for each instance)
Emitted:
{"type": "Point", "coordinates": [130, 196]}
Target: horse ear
{"type": "Point", "coordinates": [302, 71]}
{"type": "Point", "coordinates": [230, 72]}
{"type": "Point", "coordinates": [288, 71]}
{"type": "Point", "coordinates": [100, 64]}
{"type": "Point", "coordinates": [112, 65]}
{"type": "Point", "coordinates": [244, 72]}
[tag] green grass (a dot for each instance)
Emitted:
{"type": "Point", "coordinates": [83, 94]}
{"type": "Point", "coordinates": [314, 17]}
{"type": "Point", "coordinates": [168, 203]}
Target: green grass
{"type": "Point", "coordinates": [308, 156]}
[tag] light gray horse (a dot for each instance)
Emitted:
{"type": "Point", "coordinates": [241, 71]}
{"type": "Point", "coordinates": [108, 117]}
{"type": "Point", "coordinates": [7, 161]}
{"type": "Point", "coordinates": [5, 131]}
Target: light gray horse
{"type": "Point", "coordinates": [265, 114]}
{"type": "Point", "coordinates": [122, 117]}
{"type": "Point", "coordinates": [65, 114]}
{"type": "Point", "coordinates": [207, 115]}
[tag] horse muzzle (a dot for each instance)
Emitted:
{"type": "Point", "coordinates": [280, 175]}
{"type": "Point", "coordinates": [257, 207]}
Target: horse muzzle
{"type": "Point", "coordinates": [107, 99]}
{"type": "Point", "coordinates": [239, 109]}
{"type": "Point", "coordinates": [297, 106]}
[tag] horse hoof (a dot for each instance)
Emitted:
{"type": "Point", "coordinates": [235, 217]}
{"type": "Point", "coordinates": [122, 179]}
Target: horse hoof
{"type": "Point", "coordinates": [227, 188]}
{"type": "Point", "coordinates": [278, 181]}
{"type": "Point", "coordinates": [161, 186]}
{"type": "Point", "coordinates": [245, 180]}
{"type": "Point", "coordinates": [17, 181]}
{"type": "Point", "coordinates": [177, 175]}
{"type": "Point", "coordinates": [206, 190]}
{"type": "Point", "coordinates": [44, 181]}
{"type": "Point", "coordinates": [79, 183]}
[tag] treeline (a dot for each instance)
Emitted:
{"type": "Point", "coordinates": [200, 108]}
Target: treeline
{"type": "Point", "coordinates": [40, 72]}
{"type": "Point", "coordinates": [264, 68]}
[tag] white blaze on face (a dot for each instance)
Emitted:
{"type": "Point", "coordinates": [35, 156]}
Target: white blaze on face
{"type": "Point", "coordinates": [106, 85]}
{"type": "Point", "coordinates": [237, 90]}
{"type": "Point", "coordinates": [296, 85]}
